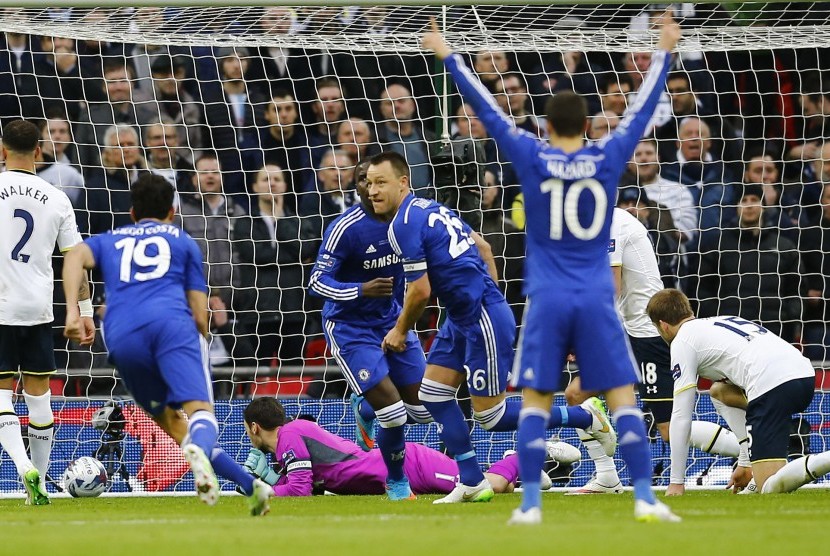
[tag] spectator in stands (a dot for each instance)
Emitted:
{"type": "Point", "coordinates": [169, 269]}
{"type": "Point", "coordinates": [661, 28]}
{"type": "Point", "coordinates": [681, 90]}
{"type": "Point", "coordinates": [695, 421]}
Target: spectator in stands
{"type": "Point", "coordinates": [278, 68]}
{"type": "Point", "coordinates": [572, 71]}
{"type": "Point", "coordinates": [815, 128]}
{"type": "Point", "coordinates": [602, 123]}
{"type": "Point", "coordinates": [635, 65]}
{"type": "Point", "coordinates": [107, 204]}
{"type": "Point", "coordinates": [209, 216]}
{"type": "Point", "coordinates": [490, 65]}
{"type": "Point", "coordinates": [752, 271]}
{"type": "Point", "coordinates": [761, 169]}
{"type": "Point", "coordinates": [59, 77]}
{"type": "Point", "coordinates": [401, 131]}
{"type": "Point", "coordinates": [644, 166]}
{"type": "Point", "coordinates": [511, 94]}
{"type": "Point", "coordinates": [56, 138]}
{"type": "Point", "coordinates": [468, 125]}
{"type": "Point", "coordinates": [710, 182]}
{"type": "Point", "coordinates": [725, 144]}
{"type": "Point", "coordinates": [118, 109]}
{"type": "Point", "coordinates": [63, 176]}
{"type": "Point", "coordinates": [161, 142]}
{"type": "Point", "coordinates": [333, 194]}
{"type": "Point", "coordinates": [804, 195]}
{"type": "Point", "coordinates": [270, 248]}
{"type": "Point", "coordinates": [19, 90]}
{"type": "Point", "coordinates": [354, 137]}
{"type": "Point", "coordinates": [233, 113]}
{"type": "Point", "coordinates": [228, 345]}
{"type": "Point", "coordinates": [614, 91]}
{"type": "Point", "coordinates": [329, 110]}
{"type": "Point", "coordinates": [814, 247]}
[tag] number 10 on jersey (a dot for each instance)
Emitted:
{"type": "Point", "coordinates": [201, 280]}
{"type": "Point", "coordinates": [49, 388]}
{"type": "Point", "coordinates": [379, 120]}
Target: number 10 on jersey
{"type": "Point", "coordinates": [564, 207]}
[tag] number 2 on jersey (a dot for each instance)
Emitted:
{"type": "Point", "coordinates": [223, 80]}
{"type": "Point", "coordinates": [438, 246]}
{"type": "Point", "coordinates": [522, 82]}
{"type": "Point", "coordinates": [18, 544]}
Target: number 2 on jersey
{"type": "Point", "coordinates": [564, 207]}
{"type": "Point", "coordinates": [460, 241]}
{"type": "Point", "coordinates": [27, 233]}
{"type": "Point", "coordinates": [135, 251]}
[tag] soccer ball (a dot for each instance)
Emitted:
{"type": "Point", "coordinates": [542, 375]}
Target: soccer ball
{"type": "Point", "coordinates": [85, 477]}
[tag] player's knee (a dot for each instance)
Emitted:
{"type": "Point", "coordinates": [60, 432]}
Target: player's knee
{"type": "Point", "coordinates": [717, 391]}
{"type": "Point", "coordinates": [392, 415]}
{"type": "Point", "coordinates": [488, 419]}
{"type": "Point", "coordinates": [435, 392]}
{"type": "Point", "coordinates": [574, 394]}
{"type": "Point", "coordinates": [418, 413]}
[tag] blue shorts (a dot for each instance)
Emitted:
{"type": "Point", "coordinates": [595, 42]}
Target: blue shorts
{"type": "Point", "coordinates": [28, 349]}
{"type": "Point", "coordinates": [162, 364]}
{"type": "Point", "coordinates": [357, 350]}
{"type": "Point", "coordinates": [483, 350]}
{"type": "Point", "coordinates": [587, 322]}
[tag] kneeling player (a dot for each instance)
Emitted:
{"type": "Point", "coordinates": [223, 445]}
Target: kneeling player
{"type": "Point", "coordinates": [776, 380]}
{"type": "Point", "coordinates": [308, 456]}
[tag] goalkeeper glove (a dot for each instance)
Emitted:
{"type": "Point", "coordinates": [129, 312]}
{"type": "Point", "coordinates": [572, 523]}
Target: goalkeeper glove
{"type": "Point", "coordinates": [257, 465]}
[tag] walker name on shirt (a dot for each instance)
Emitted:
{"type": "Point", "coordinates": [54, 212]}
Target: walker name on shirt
{"type": "Point", "coordinates": [26, 191]}
{"type": "Point", "coordinates": [578, 169]}
{"type": "Point", "coordinates": [148, 230]}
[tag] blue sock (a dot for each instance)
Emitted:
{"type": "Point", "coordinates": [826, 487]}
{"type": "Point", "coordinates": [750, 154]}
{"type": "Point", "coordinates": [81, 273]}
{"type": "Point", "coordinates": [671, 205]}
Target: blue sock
{"type": "Point", "coordinates": [502, 417]}
{"type": "Point", "coordinates": [393, 449]}
{"type": "Point", "coordinates": [203, 430]}
{"type": "Point", "coordinates": [456, 437]}
{"type": "Point", "coordinates": [225, 466]}
{"type": "Point", "coordinates": [575, 416]}
{"type": "Point", "coordinates": [366, 411]}
{"type": "Point", "coordinates": [531, 447]}
{"type": "Point", "coordinates": [634, 450]}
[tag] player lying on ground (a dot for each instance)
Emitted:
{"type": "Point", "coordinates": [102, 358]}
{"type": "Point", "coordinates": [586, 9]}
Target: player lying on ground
{"type": "Point", "coordinates": [310, 459]}
{"type": "Point", "coordinates": [636, 279]}
{"type": "Point", "coordinates": [361, 279]}
{"type": "Point", "coordinates": [155, 327]}
{"type": "Point", "coordinates": [768, 380]}
{"type": "Point", "coordinates": [441, 254]}
{"type": "Point", "coordinates": [568, 189]}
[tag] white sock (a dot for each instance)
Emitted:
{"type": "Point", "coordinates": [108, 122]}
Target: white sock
{"type": "Point", "coordinates": [41, 430]}
{"type": "Point", "coordinates": [713, 438]}
{"type": "Point", "coordinates": [10, 437]}
{"type": "Point", "coordinates": [734, 417]}
{"type": "Point", "coordinates": [606, 470]}
{"type": "Point", "coordinates": [798, 472]}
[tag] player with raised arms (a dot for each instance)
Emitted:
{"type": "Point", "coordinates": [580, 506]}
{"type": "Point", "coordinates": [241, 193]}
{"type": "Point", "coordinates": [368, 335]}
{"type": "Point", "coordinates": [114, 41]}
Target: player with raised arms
{"type": "Point", "coordinates": [34, 216]}
{"type": "Point", "coordinates": [568, 189]}
{"type": "Point", "coordinates": [155, 327]}
{"type": "Point", "coordinates": [361, 279]}
{"type": "Point", "coordinates": [310, 459]}
{"type": "Point", "coordinates": [441, 254]}
{"type": "Point", "coordinates": [760, 382]}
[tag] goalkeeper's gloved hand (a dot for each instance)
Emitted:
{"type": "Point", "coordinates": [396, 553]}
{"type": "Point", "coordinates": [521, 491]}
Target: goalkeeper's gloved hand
{"type": "Point", "coordinates": [257, 464]}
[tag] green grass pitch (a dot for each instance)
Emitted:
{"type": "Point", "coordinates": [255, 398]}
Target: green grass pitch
{"type": "Point", "coordinates": [714, 523]}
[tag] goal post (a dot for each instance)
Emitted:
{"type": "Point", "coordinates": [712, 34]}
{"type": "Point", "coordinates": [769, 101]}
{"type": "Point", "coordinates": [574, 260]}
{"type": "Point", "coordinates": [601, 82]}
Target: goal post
{"type": "Point", "coordinates": [293, 96]}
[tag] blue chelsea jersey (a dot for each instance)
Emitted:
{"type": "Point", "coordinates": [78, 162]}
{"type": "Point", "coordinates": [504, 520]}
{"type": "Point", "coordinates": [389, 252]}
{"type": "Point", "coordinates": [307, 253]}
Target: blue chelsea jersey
{"type": "Point", "coordinates": [355, 250]}
{"type": "Point", "coordinates": [568, 197]}
{"type": "Point", "coordinates": [431, 239]}
{"type": "Point", "coordinates": [147, 268]}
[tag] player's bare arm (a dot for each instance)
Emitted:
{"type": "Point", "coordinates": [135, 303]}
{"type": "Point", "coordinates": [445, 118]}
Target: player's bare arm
{"type": "Point", "coordinates": [76, 262]}
{"type": "Point", "coordinates": [87, 322]}
{"type": "Point", "coordinates": [486, 253]}
{"type": "Point", "coordinates": [198, 302]}
{"type": "Point", "coordinates": [414, 303]}
{"type": "Point", "coordinates": [669, 32]}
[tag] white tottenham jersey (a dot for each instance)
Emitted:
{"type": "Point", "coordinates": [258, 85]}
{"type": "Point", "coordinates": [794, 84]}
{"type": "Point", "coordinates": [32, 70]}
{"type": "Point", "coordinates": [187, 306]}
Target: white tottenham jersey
{"type": "Point", "coordinates": [742, 352]}
{"type": "Point", "coordinates": [34, 215]}
{"type": "Point", "coordinates": [631, 248]}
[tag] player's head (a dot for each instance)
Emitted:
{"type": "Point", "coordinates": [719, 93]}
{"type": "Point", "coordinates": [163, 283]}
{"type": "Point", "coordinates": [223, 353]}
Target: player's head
{"type": "Point", "coordinates": [668, 309]}
{"type": "Point", "coordinates": [387, 179]}
{"type": "Point", "coordinates": [362, 186]}
{"type": "Point", "coordinates": [152, 197]}
{"type": "Point", "coordinates": [22, 139]}
{"type": "Point", "coordinates": [263, 417]}
{"type": "Point", "coordinates": [567, 115]}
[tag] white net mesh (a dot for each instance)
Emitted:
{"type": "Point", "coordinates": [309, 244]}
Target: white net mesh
{"type": "Point", "coordinates": [230, 103]}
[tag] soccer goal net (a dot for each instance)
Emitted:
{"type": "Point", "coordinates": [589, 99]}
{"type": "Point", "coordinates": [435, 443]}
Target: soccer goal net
{"type": "Point", "coordinates": [258, 116]}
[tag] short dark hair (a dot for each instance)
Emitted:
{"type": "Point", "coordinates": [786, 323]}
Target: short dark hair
{"type": "Point", "coordinates": [679, 74]}
{"type": "Point", "coordinates": [360, 168]}
{"type": "Point", "coordinates": [397, 161]}
{"type": "Point", "coordinates": [567, 114]}
{"type": "Point", "coordinates": [21, 137]}
{"type": "Point", "coordinates": [207, 155]}
{"type": "Point", "coordinates": [152, 197]}
{"type": "Point", "coordinates": [266, 412]}
{"type": "Point", "coordinates": [669, 305]}
{"type": "Point", "coordinates": [615, 78]}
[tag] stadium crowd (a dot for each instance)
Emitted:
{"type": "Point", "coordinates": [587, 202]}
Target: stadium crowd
{"type": "Point", "coordinates": [732, 179]}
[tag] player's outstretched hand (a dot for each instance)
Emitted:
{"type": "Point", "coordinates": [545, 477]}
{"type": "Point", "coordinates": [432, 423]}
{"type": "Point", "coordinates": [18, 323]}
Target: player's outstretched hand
{"type": "Point", "coordinates": [434, 41]}
{"type": "Point", "coordinates": [378, 287]}
{"type": "Point", "coordinates": [675, 490]}
{"type": "Point", "coordinates": [87, 331]}
{"type": "Point", "coordinates": [257, 464]}
{"type": "Point", "coordinates": [740, 479]}
{"type": "Point", "coordinates": [669, 32]}
{"type": "Point", "coordinates": [394, 341]}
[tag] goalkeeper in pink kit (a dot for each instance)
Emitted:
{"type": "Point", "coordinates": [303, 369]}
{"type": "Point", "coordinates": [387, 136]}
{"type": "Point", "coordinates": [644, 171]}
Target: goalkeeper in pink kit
{"type": "Point", "coordinates": [310, 459]}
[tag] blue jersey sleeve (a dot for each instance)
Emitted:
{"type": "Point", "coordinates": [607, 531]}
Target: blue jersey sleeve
{"type": "Point", "coordinates": [405, 235]}
{"type": "Point", "coordinates": [194, 276]}
{"type": "Point", "coordinates": [94, 244]}
{"type": "Point", "coordinates": [622, 142]}
{"type": "Point", "coordinates": [519, 145]}
{"type": "Point", "coordinates": [333, 252]}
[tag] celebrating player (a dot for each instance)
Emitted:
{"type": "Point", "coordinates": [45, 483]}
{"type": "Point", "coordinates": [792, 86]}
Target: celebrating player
{"type": "Point", "coordinates": [339, 466]}
{"type": "Point", "coordinates": [567, 188]}
{"type": "Point", "coordinates": [33, 216]}
{"type": "Point", "coordinates": [361, 279]}
{"type": "Point", "coordinates": [636, 279]}
{"type": "Point", "coordinates": [158, 350]}
{"type": "Point", "coordinates": [768, 380]}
